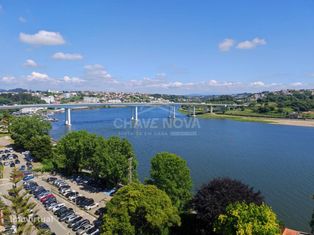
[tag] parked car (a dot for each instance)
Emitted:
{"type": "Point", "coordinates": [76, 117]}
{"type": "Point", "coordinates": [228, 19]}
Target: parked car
{"type": "Point", "coordinates": [66, 215]}
{"type": "Point", "coordinates": [100, 211]}
{"type": "Point", "coordinates": [49, 201]}
{"type": "Point", "coordinates": [52, 205]}
{"type": "Point", "coordinates": [70, 194]}
{"type": "Point", "coordinates": [74, 197]}
{"type": "Point", "coordinates": [83, 229]}
{"type": "Point", "coordinates": [92, 231]}
{"type": "Point", "coordinates": [42, 194]}
{"type": "Point", "coordinates": [57, 207]}
{"type": "Point", "coordinates": [47, 197]}
{"type": "Point", "coordinates": [62, 211]}
{"type": "Point", "coordinates": [71, 218]}
{"type": "Point", "coordinates": [79, 224]}
{"type": "Point", "coordinates": [89, 207]}
{"type": "Point", "coordinates": [43, 226]}
{"type": "Point", "coordinates": [74, 221]}
{"type": "Point", "coordinates": [22, 168]}
{"type": "Point", "coordinates": [29, 177]}
{"type": "Point", "coordinates": [38, 190]}
{"type": "Point", "coordinates": [51, 179]}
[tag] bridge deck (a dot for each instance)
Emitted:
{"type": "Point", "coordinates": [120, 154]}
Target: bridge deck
{"type": "Point", "coordinates": [76, 105]}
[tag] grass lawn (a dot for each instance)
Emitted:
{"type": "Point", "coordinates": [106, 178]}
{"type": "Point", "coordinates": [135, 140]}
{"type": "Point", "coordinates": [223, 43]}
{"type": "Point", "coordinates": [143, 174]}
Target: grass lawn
{"type": "Point", "coordinates": [250, 113]}
{"type": "Point", "coordinates": [234, 118]}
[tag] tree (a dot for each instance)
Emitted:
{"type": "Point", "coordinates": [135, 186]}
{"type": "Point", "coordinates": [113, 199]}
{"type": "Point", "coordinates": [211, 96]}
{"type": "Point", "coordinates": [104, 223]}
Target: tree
{"type": "Point", "coordinates": [40, 147]}
{"type": "Point", "coordinates": [140, 209]}
{"type": "Point", "coordinates": [247, 219]}
{"type": "Point", "coordinates": [111, 160]}
{"type": "Point", "coordinates": [212, 199]}
{"type": "Point", "coordinates": [23, 129]}
{"type": "Point", "coordinates": [20, 206]}
{"type": "Point", "coordinates": [171, 174]}
{"type": "Point", "coordinates": [106, 159]}
{"type": "Point", "coordinates": [75, 149]}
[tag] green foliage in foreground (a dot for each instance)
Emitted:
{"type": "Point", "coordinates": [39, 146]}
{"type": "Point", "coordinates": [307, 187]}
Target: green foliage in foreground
{"type": "Point", "coordinates": [212, 199]}
{"type": "Point", "coordinates": [171, 174]}
{"type": "Point", "coordinates": [105, 159]}
{"type": "Point", "coordinates": [111, 160]}
{"type": "Point", "coordinates": [31, 133]}
{"type": "Point", "coordinates": [140, 209]}
{"type": "Point", "coordinates": [247, 219]}
{"type": "Point", "coordinates": [75, 148]}
{"type": "Point", "coordinates": [40, 147]}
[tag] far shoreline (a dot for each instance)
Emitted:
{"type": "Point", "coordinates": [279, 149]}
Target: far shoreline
{"type": "Point", "coordinates": [274, 121]}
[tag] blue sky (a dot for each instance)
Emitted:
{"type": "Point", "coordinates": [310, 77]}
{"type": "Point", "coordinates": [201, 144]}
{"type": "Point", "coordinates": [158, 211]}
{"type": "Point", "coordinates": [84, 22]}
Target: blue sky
{"type": "Point", "coordinates": [176, 46]}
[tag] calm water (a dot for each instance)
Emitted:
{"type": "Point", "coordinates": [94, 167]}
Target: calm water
{"type": "Point", "coordinates": [278, 160]}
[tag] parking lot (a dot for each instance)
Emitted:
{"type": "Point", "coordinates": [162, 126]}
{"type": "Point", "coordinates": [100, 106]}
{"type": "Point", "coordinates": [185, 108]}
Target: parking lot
{"type": "Point", "coordinates": [58, 213]}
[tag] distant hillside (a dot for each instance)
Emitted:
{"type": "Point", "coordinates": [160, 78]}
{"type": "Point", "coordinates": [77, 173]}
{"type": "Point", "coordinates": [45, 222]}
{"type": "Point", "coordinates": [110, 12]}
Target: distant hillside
{"type": "Point", "coordinates": [19, 98]}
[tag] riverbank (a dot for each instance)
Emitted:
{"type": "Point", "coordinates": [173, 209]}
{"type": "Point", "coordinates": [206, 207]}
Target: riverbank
{"type": "Point", "coordinates": [276, 121]}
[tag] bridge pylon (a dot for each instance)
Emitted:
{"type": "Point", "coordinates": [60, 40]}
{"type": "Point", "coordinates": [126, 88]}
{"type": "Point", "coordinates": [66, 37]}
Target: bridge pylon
{"type": "Point", "coordinates": [68, 117]}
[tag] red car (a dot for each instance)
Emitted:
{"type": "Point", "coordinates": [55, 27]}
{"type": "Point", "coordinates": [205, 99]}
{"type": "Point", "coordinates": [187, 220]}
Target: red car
{"type": "Point", "coordinates": [47, 197]}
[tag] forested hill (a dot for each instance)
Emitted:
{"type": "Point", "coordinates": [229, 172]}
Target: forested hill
{"type": "Point", "coordinates": [19, 98]}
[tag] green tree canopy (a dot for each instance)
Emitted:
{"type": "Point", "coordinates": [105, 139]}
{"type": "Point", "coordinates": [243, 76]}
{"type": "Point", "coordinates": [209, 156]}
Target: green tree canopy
{"type": "Point", "coordinates": [111, 160]}
{"type": "Point", "coordinates": [247, 219]}
{"type": "Point", "coordinates": [212, 199]}
{"type": "Point", "coordinates": [23, 129]}
{"type": "Point", "coordinates": [75, 149]}
{"type": "Point", "coordinates": [140, 209]}
{"type": "Point", "coordinates": [171, 174]}
{"type": "Point", "coordinates": [40, 147]}
{"type": "Point", "coordinates": [105, 159]}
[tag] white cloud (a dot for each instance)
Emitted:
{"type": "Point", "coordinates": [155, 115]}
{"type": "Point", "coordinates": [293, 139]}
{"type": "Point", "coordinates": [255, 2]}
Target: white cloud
{"type": "Point", "coordinates": [226, 44]}
{"type": "Point", "coordinates": [30, 63]}
{"type": "Point", "coordinates": [258, 84]}
{"type": "Point", "coordinates": [8, 79]}
{"type": "Point", "coordinates": [162, 83]}
{"type": "Point", "coordinates": [22, 19]}
{"type": "Point", "coordinates": [97, 71]}
{"type": "Point", "coordinates": [296, 84]}
{"type": "Point", "coordinates": [68, 79]}
{"type": "Point", "coordinates": [42, 37]}
{"type": "Point", "coordinates": [251, 44]}
{"type": "Point", "coordinates": [67, 56]}
{"type": "Point", "coordinates": [41, 77]}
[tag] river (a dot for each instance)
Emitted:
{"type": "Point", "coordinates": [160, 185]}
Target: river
{"type": "Point", "coordinates": [277, 160]}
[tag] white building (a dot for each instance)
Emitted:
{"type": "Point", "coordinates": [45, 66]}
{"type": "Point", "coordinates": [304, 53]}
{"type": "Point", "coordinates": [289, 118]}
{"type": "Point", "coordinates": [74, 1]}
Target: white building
{"type": "Point", "coordinates": [88, 99]}
{"type": "Point", "coordinates": [48, 99]}
{"type": "Point", "coordinates": [115, 101]}
{"type": "Point", "coordinates": [30, 110]}
{"type": "Point", "coordinates": [69, 95]}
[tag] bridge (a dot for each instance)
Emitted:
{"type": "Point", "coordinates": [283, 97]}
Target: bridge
{"type": "Point", "coordinates": [135, 105]}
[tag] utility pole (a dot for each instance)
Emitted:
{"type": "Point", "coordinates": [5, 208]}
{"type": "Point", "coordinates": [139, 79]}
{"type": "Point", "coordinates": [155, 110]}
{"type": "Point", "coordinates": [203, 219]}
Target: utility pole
{"type": "Point", "coordinates": [130, 170]}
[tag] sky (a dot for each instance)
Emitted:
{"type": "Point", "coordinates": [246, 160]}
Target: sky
{"type": "Point", "coordinates": [164, 46]}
